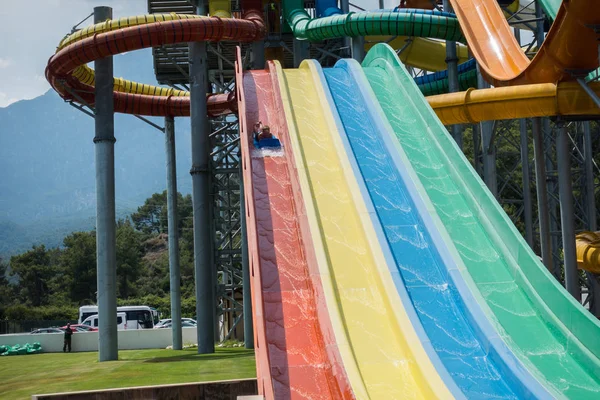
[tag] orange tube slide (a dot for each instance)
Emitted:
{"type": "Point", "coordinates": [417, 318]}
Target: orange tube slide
{"type": "Point", "coordinates": [571, 43]}
{"type": "Point", "coordinates": [588, 251]}
{"type": "Point", "coordinates": [62, 64]}
{"type": "Point", "coordinates": [540, 100]}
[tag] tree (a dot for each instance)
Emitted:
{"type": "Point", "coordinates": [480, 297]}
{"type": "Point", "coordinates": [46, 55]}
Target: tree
{"type": "Point", "coordinates": [151, 218]}
{"type": "Point", "coordinates": [6, 290]}
{"type": "Point", "coordinates": [78, 264]}
{"type": "Point", "coordinates": [33, 270]}
{"type": "Point", "coordinates": [128, 258]}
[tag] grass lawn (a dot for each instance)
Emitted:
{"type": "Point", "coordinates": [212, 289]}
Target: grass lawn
{"type": "Point", "coordinates": [22, 376]}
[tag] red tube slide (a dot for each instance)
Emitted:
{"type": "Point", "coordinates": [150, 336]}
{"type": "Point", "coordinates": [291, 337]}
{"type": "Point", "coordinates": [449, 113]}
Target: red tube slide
{"type": "Point", "coordinates": [296, 352]}
{"type": "Point", "coordinates": [61, 65]}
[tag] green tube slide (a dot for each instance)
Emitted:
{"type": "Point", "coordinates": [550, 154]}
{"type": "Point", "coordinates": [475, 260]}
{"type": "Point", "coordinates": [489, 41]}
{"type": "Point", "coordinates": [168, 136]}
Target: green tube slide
{"type": "Point", "coordinates": [554, 336]}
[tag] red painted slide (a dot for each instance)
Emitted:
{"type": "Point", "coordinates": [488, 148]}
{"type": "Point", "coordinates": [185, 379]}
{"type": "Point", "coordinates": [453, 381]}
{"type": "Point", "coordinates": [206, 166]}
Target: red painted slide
{"type": "Point", "coordinates": [296, 353]}
{"type": "Point", "coordinates": [62, 64]}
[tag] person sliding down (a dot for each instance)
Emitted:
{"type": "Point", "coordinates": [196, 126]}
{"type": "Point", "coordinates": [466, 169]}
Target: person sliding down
{"type": "Point", "coordinates": [257, 130]}
{"type": "Point", "coordinates": [266, 133]}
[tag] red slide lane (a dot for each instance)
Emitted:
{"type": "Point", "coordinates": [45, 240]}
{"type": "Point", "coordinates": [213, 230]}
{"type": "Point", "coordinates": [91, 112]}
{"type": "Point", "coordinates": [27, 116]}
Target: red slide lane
{"type": "Point", "coordinates": [61, 65]}
{"type": "Point", "coordinates": [296, 355]}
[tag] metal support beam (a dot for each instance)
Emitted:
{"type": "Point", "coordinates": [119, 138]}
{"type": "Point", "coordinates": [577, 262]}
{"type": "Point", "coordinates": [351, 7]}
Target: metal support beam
{"type": "Point", "coordinates": [453, 86]}
{"type": "Point", "coordinates": [248, 328]}
{"type": "Point", "coordinates": [589, 91]}
{"type": "Point", "coordinates": [594, 293]}
{"type": "Point", "coordinates": [174, 274]}
{"type": "Point", "coordinates": [539, 15]}
{"type": "Point", "coordinates": [590, 188]}
{"type": "Point", "coordinates": [567, 213]}
{"type": "Point", "coordinates": [205, 298]}
{"type": "Point", "coordinates": [542, 194]}
{"type": "Point", "coordinates": [527, 206]}
{"type": "Point", "coordinates": [106, 264]}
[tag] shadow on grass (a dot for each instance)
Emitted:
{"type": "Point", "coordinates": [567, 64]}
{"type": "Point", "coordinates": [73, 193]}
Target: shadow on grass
{"type": "Point", "coordinates": [201, 357]}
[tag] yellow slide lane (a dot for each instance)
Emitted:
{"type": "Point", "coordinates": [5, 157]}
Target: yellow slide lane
{"type": "Point", "coordinates": [381, 352]}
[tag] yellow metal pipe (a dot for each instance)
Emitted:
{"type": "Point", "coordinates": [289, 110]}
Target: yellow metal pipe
{"type": "Point", "coordinates": [539, 100]}
{"type": "Point", "coordinates": [588, 251]}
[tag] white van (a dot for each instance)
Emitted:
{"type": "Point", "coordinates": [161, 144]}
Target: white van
{"type": "Point", "coordinates": [138, 317]}
{"type": "Point", "coordinates": [92, 321]}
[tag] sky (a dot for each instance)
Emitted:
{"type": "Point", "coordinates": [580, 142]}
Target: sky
{"type": "Point", "coordinates": [30, 32]}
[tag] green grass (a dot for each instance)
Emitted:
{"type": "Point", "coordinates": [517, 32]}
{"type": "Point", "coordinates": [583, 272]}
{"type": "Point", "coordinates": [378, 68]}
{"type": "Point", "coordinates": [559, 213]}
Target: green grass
{"type": "Point", "coordinates": [22, 376]}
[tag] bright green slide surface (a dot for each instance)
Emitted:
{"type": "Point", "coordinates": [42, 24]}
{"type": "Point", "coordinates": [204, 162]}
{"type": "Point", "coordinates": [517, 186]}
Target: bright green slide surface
{"type": "Point", "coordinates": [554, 336]}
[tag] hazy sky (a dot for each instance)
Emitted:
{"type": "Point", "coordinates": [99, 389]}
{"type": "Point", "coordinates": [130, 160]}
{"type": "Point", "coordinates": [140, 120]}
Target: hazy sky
{"type": "Point", "coordinates": [30, 30]}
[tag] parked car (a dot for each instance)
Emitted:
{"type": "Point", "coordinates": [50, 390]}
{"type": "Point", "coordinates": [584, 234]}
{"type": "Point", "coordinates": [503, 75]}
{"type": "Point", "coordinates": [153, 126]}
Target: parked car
{"type": "Point", "coordinates": [81, 328]}
{"type": "Point", "coordinates": [184, 324]}
{"type": "Point", "coordinates": [163, 322]}
{"type": "Point", "coordinates": [47, 330]}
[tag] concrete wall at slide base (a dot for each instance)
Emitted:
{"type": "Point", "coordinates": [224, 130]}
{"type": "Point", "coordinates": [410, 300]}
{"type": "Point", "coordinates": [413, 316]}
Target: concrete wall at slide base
{"type": "Point", "coordinates": [88, 341]}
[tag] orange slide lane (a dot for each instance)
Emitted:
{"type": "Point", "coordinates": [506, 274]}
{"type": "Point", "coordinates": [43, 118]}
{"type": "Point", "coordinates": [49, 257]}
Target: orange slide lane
{"type": "Point", "coordinates": [62, 64]}
{"type": "Point", "coordinates": [296, 353]}
{"type": "Point", "coordinates": [571, 44]}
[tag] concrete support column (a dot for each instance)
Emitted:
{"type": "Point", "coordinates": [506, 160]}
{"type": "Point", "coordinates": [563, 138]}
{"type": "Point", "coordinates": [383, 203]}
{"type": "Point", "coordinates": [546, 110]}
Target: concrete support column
{"type": "Point", "coordinates": [590, 200]}
{"type": "Point", "coordinates": [174, 274]}
{"type": "Point", "coordinates": [258, 55]}
{"type": "Point", "coordinates": [542, 194]}
{"type": "Point", "coordinates": [301, 51]}
{"type": "Point", "coordinates": [345, 7]}
{"type": "Point", "coordinates": [453, 86]}
{"type": "Point", "coordinates": [477, 149]}
{"type": "Point", "coordinates": [358, 48]}
{"type": "Point", "coordinates": [567, 212]}
{"type": "Point", "coordinates": [205, 299]}
{"type": "Point", "coordinates": [106, 257]}
{"type": "Point", "coordinates": [486, 128]}
{"type": "Point", "coordinates": [527, 206]}
{"type": "Point", "coordinates": [248, 327]}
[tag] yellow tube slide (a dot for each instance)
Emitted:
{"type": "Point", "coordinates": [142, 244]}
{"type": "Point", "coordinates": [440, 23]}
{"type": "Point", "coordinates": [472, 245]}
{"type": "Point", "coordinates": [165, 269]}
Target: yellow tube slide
{"type": "Point", "coordinates": [219, 8]}
{"type": "Point", "coordinates": [539, 100]}
{"type": "Point", "coordinates": [422, 53]}
{"type": "Point", "coordinates": [381, 352]}
{"type": "Point", "coordinates": [588, 251]}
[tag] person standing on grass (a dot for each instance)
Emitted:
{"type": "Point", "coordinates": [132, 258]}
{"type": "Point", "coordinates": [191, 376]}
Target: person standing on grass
{"type": "Point", "coordinates": [68, 334]}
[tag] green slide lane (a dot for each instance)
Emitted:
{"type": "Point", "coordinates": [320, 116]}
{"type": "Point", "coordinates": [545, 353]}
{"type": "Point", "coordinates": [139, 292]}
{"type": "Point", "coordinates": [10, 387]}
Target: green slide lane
{"type": "Point", "coordinates": [555, 337]}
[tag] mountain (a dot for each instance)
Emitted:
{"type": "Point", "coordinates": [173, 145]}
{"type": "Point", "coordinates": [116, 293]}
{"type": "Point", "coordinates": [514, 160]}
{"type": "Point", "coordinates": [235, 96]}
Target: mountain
{"type": "Point", "coordinates": [47, 167]}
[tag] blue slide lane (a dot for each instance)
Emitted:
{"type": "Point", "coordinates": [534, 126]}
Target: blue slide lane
{"type": "Point", "coordinates": [462, 338]}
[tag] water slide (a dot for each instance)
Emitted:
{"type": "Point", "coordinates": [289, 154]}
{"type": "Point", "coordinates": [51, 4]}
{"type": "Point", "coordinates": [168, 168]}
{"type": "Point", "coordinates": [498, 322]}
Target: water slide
{"type": "Point", "coordinates": [570, 47]}
{"type": "Point", "coordinates": [72, 80]}
{"type": "Point", "coordinates": [424, 269]}
{"type": "Point", "coordinates": [384, 357]}
{"type": "Point", "coordinates": [296, 353]}
{"type": "Point", "coordinates": [552, 334]}
{"type": "Point", "coordinates": [564, 357]}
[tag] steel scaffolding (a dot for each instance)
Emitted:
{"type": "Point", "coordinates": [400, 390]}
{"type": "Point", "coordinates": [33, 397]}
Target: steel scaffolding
{"type": "Point", "coordinates": [502, 152]}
